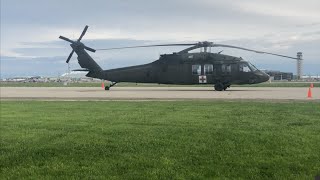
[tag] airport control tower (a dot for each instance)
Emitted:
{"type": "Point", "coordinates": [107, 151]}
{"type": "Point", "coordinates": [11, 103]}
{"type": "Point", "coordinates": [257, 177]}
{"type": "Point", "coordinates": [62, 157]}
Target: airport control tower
{"type": "Point", "coordinates": [299, 65]}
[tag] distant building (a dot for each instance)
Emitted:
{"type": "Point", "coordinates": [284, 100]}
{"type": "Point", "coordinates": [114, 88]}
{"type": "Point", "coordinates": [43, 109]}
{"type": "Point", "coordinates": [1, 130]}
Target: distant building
{"type": "Point", "coordinates": [278, 75]}
{"type": "Point", "coordinates": [311, 78]}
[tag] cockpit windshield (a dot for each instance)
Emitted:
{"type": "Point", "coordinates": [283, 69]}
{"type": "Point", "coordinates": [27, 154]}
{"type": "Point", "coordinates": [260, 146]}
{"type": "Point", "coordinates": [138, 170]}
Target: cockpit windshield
{"type": "Point", "coordinates": [252, 67]}
{"type": "Point", "coordinates": [247, 67]}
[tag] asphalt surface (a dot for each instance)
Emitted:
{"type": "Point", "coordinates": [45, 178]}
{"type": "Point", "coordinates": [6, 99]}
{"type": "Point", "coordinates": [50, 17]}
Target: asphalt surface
{"type": "Point", "coordinates": [156, 93]}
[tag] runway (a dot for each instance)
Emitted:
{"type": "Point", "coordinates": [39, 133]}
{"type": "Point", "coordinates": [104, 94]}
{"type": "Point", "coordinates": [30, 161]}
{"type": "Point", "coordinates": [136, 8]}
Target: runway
{"type": "Point", "coordinates": [156, 93]}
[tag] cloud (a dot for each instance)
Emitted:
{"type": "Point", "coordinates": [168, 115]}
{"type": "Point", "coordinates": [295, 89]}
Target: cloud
{"type": "Point", "coordinates": [30, 29]}
{"type": "Point", "coordinates": [16, 66]}
{"type": "Point", "coordinates": [293, 9]}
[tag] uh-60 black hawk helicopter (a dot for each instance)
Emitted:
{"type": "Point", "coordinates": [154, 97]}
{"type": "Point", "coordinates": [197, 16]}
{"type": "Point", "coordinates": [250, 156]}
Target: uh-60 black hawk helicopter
{"type": "Point", "coordinates": [178, 68]}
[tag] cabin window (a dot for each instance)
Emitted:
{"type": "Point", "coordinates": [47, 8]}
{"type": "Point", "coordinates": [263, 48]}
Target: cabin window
{"type": "Point", "coordinates": [208, 69]}
{"type": "Point", "coordinates": [226, 68]}
{"type": "Point", "coordinates": [196, 69]}
{"type": "Point", "coordinates": [244, 68]}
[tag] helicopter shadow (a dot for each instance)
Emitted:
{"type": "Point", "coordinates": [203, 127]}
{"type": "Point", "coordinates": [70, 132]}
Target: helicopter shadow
{"type": "Point", "coordinates": [189, 90]}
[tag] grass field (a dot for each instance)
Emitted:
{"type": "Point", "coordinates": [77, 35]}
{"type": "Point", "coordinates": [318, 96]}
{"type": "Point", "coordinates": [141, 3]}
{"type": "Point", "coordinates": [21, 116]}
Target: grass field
{"type": "Point", "coordinates": [96, 84]}
{"type": "Point", "coordinates": [159, 140]}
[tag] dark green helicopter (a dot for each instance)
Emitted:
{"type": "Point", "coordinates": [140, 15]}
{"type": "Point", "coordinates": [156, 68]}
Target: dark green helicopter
{"type": "Point", "coordinates": [178, 68]}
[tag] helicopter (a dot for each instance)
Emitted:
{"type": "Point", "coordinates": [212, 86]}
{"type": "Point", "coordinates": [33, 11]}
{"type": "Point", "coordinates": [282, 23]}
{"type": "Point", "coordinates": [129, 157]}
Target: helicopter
{"type": "Point", "coordinates": [182, 68]}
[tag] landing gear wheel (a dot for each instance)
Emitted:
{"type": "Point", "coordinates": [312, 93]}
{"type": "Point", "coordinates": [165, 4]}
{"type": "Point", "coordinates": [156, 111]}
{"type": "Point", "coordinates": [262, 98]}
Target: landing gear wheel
{"type": "Point", "coordinates": [219, 87]}
{"type": "Point", "coordinates": [107, 88]}
{"type": "Point", "coordinates": [226, 87]}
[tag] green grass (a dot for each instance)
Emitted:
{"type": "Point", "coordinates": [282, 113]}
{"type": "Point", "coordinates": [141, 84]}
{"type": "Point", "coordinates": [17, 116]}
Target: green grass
{"type": "Point", "coordinates": [159, 140]}
{"type": "Point", "coordinates": [98, 84]}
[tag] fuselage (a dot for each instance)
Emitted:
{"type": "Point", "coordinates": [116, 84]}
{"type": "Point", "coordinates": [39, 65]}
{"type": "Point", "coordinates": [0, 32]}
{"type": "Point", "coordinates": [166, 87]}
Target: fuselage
{"type": "Point", "coordinates": [189, 68]}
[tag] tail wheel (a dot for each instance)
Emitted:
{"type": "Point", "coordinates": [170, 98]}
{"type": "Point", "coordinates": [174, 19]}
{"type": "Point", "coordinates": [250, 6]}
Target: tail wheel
{"type": "Point", "coordinates": [107, 88]}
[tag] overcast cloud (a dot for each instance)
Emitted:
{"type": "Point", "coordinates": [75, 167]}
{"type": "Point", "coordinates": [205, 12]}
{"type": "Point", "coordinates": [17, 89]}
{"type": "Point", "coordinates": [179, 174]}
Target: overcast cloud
{"type": "Point", "coordinates": [30, 31]}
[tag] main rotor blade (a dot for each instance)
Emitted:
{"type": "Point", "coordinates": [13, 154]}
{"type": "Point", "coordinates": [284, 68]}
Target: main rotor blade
{"type": "Point", "coordinates": [69, 57]}
{"type": "Point", "coordinates": [130, 47]}
{"type": "Point", "coordinates": [66, 39]}
{"type": "Point", "coordinates": [83, 32]}
{"type": "Point", "coordinates": [89, 49]}
{"type": "Point", "coordinates": [260, 52]}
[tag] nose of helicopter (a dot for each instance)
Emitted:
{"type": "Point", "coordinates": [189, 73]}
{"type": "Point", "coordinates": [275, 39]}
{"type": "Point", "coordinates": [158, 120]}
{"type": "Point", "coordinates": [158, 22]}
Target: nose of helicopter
{"type": "Point", "coordinates": [263, 77]}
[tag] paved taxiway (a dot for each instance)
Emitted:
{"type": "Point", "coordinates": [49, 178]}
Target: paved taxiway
{"type": "Point", "coordinates": [156, 93]}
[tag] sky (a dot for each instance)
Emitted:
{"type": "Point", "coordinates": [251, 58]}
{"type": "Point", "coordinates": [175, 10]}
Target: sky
{"type": "Point", "coordinates": [30, 31]}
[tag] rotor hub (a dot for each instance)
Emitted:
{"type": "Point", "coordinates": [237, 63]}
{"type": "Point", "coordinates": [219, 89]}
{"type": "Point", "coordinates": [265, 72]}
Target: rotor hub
{"type": "Point", "coordinates": [77, 44]}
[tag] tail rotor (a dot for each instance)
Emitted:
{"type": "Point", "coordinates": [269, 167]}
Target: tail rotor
{"type": "Point", "coordinates": [77, 44]}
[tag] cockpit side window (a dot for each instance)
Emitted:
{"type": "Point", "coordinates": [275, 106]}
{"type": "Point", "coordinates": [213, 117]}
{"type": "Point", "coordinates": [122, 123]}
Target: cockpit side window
{"type": "Point", "coordinates": [243, 67]}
